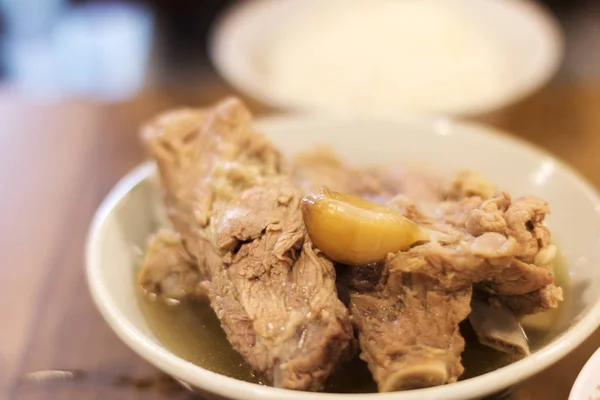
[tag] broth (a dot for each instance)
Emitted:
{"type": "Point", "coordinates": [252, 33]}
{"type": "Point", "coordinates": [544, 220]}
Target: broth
{"type": "Point", "coordinates": [192, 331]}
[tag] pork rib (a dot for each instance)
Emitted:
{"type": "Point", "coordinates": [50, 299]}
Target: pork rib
{"type": "Point", "coordinates": [237, 210]}
{"type": "Point", "coordinates": [408, 322]}
{"type": "Point", "coordinates": [408, 330]}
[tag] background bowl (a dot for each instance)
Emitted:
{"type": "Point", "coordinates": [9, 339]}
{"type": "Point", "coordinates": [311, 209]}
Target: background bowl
{"type": "Point", "coordinates": [126, 218]}
{"type": "Point", "coordinates": [527, 34]}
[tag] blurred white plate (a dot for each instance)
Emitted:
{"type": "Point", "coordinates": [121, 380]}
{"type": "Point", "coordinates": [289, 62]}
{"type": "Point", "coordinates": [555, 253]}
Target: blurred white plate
{"type": "Point", "coordinates": [528, 34]}
{"type": "Point", "coordinates": [587, 384]}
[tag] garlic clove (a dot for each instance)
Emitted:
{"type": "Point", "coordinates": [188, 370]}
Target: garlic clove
{"type": "Point", "coordinates": [355, 231]}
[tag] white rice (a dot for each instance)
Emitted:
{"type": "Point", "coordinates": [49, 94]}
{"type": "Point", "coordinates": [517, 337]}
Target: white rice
{"type": "Point", "coordinates": [384, 56]}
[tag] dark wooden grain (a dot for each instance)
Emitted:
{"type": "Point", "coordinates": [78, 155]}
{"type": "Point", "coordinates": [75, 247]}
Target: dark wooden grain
{"type": "Point", "coordinates": [56, 164]}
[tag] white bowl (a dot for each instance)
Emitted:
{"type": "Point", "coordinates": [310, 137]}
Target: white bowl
{"type": "Point", "coordinates": [587, 384]}
{"type": "Point", "coordinates": [125, 220]}
{"type": "Point", "coordinates": [527, 34]}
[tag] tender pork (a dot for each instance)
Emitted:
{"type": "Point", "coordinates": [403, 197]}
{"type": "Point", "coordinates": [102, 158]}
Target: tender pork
{"type": "Point", "coordinates": [237, 211]}
{"type": "Point", "coordinates": [407, 310]}
{"type": "Point", "coordinates": [492, 255]}
{"type": "Point", "coordinates": [408, 330]}
{"type": "Point", "coordinates": [543, 299]}
{"type": "Point", "coordinates": [487, 259]}
{"type": "Point", "coordinates": [414, 182]}
{"type": "Point", "coordinates": [168, 271]}
{"type": "Point", "coordinates": [235, 204]}
{"type": "Point", "coordinates": [521, 221]}
{"type": "Point", "coordinates": [411, 341]}
{"type": "Point", "coordinates": [321, 167]}
{"type": "Point", "coordinates": [498, 245]}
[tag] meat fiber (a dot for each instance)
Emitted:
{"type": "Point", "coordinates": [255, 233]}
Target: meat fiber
{"type": "Point", "coordinates": [168, 271]}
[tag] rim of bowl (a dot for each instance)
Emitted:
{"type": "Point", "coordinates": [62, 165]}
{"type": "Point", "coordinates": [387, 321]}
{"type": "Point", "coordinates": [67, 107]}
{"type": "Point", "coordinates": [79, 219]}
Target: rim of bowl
{"type": "Point", "coordinates": [238, 70]}
{"type": "Point", "coordinates": [222, 385]}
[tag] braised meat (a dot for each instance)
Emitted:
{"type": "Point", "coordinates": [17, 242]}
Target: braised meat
{"type": "Point", "coordinates": [526, 286]}
{"type": "Point", "coordinates": [168, 271]}
{"type": "Point", "coordinates": [408, 331]}
{"type": "Point", "coordinates": [545, 298]}
{"type": "Point", "coordinates": [413, 257]}
{"type": "Point", "coordinates": [411, 181]}
{"type": "Point", "coordinates": [321, 167]}
{"type": "Point", "coordinates": [426, 289]}
{"type": "Point", "coordinates": [236, 209]}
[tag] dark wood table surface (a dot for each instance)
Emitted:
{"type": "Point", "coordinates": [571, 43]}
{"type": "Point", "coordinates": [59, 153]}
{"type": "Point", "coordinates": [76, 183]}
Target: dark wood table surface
{"type": "Point", "coordinates": [56, 164]}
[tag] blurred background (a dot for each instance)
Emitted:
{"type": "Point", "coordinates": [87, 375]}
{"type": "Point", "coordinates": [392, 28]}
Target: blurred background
{"type": "Point", "coordinates": [113, 50]}
{"type": "Point", "coordinates": [77, 78]}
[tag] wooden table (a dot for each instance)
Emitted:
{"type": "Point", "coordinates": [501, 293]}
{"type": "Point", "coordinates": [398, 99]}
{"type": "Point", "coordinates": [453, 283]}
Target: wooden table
{"type": "Point", "coordinates": [56, 164]}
